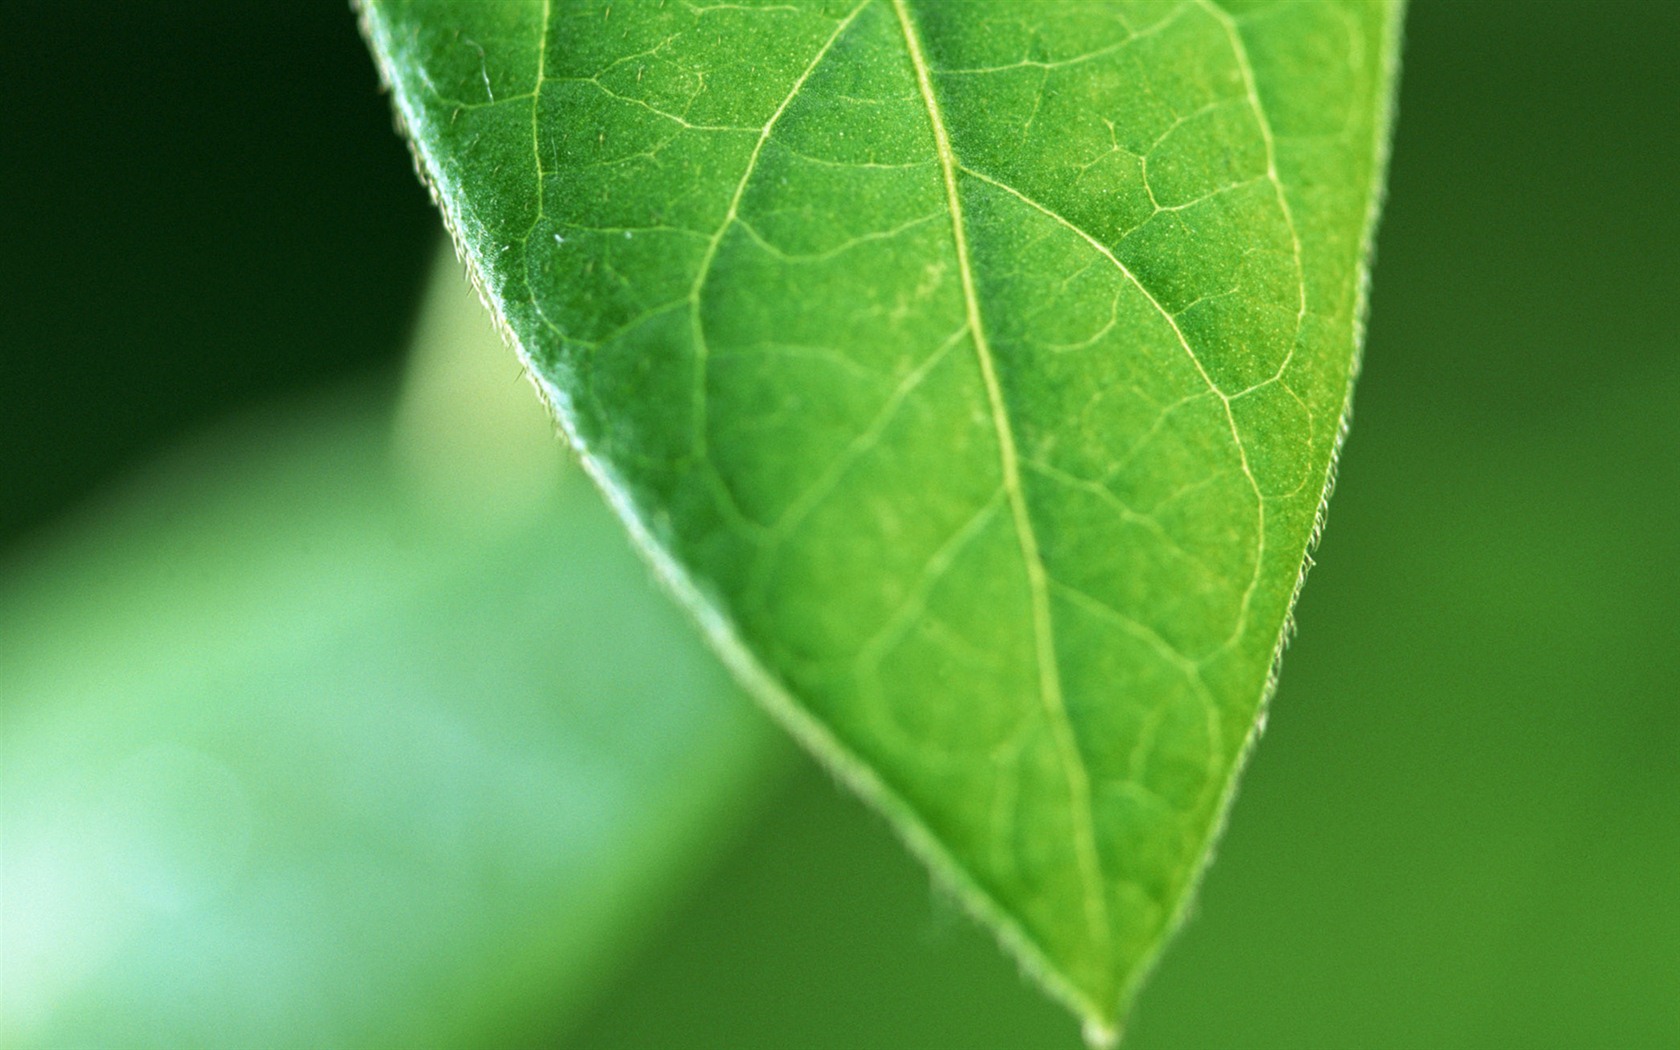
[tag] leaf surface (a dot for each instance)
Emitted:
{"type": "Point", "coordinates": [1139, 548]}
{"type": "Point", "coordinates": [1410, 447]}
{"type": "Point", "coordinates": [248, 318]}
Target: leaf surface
{"type": "Point", "coordinates": [974, 371]}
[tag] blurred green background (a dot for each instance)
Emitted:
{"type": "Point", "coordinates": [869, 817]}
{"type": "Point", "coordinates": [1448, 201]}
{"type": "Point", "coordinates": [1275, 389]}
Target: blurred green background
{"type": "Point", "coordinates": [1462, 828]}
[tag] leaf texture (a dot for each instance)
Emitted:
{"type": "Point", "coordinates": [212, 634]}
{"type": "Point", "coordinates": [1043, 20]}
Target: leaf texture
{"type": "Point", "coordinates": [974, 371]}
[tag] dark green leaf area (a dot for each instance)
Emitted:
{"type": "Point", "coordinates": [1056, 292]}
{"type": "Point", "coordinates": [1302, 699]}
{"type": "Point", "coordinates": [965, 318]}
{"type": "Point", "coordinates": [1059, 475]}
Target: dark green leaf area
{"type": "Point", "coordinates": [976, 368]}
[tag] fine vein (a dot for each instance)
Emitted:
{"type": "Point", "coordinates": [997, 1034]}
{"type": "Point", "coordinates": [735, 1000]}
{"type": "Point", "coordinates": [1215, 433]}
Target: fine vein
{"type": "Point", "coordinates": [698, 330]}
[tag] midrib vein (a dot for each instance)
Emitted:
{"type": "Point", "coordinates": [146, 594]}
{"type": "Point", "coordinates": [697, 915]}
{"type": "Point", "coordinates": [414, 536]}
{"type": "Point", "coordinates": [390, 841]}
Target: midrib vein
{"type": "Point", "coordinates": [1049, 674]}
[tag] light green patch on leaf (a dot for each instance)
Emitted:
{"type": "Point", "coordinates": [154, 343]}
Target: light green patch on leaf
{"type": "Point", "coordinates": [974, 371]}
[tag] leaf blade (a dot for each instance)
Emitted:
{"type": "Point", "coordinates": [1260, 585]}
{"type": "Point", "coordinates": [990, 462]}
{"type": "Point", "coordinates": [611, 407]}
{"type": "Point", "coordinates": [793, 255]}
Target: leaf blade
{"type": "Point", "coordinates": [1095, 271]}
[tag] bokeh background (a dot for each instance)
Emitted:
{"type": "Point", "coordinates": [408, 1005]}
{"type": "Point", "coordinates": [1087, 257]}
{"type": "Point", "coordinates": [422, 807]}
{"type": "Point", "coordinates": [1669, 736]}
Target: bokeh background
{"type": "Point", "coordinates": [1462, 828]}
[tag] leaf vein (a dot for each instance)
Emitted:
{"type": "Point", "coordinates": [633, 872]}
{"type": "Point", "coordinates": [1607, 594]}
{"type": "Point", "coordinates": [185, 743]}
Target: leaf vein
{"type": "Point", "coordinates": [696, 322]}
{"type": "Point", "coordinates": [1224, 398]}
{"type": "Point", "coordinates": [1050, 686]}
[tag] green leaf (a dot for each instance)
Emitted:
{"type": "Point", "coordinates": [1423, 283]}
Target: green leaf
{"type": "Point", "coordinates": [298, 753]}
{"type": "Point", "coordinates": [973, 371]}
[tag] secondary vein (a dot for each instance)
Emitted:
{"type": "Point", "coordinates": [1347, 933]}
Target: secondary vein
{"type": "Point", "coordinates": [1049, 673]}
{"type": "Point", "coordinates": [702, 352]}
{"type": "Point", "coordinates": [1184, 342]}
